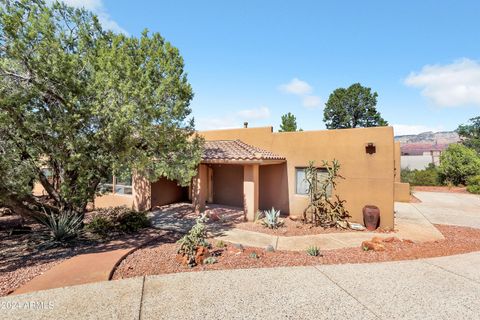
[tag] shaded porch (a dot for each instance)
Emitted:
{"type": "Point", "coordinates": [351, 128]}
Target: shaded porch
{"type": "Point", "coordinates": [236, 174]}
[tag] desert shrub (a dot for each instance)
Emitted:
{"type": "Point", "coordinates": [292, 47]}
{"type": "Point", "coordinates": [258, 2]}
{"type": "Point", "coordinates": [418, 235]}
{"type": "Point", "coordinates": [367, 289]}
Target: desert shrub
{"type": "Point", "coordinates": [426, 177]}
{"type": "Point", "coordinates": [325, 211]}
{"type": "Point", "coordinates": [473, 184]}
{"type": "Point", "coordinates": [195, 238]}
{"type": "Point", "coordinates": [313, 251]}
{"type": "Point", "coordinates": [63, 227]}
{"type": "Point", "coordinates": [220, 244]}
{"type": "Point", "coordinates": [210, 260]}
{"type": "Point", "coordinates": [100, 225]}
{"type": "Point", "coordinates": [458, 163]}
{"type": "Point", "coordinates": [254, 255]}
{"type": "Point", "coordinates": [272, 219]}
{"type": "Point", "coordinates": [117, 219]}
{"type": "Point", "coordinates": [132, 221]}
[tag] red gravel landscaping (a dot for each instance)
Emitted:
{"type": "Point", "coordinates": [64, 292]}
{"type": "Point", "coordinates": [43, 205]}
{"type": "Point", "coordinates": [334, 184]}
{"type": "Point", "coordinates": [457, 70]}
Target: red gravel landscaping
{"type": "Point", "coordinates": [159, 257]}
{"type": "Point", "coordinates": [441, 189]}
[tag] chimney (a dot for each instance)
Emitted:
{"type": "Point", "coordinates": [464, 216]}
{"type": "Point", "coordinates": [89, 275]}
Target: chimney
{"type": "Point", "coordinates": [245, 124]}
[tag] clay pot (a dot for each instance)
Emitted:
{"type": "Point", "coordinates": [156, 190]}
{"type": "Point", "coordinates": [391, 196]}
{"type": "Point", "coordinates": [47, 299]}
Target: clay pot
{"type": "Point", "coordinates": [371, 217]}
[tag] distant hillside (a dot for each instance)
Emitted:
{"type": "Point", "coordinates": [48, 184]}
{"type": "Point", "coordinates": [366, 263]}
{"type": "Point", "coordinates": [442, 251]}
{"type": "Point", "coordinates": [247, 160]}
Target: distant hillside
{"type": "Point", "coordinates": [426, 141]}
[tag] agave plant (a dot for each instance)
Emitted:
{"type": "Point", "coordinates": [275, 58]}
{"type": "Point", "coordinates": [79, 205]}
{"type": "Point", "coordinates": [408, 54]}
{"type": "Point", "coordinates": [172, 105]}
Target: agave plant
{"type": "Point", "coordinates": [63, 226]}
{"type": "Point", "coordinates": [272, 219]}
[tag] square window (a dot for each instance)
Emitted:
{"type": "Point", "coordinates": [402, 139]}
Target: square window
{"type": "Point", "coordinates": [302, 185]}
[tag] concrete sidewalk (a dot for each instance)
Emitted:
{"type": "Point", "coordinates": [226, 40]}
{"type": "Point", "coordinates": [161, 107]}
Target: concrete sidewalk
{"type": "Point", "coordinates": [438, 288]}
{"type": "Point", "coordinates": [409, 224]}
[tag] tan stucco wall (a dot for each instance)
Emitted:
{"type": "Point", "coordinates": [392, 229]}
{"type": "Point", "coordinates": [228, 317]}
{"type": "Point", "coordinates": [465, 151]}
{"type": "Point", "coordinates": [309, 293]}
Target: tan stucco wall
{"type": "Point", "coordinates": [398, 169]}
{"type": "Point", "coordinates": [402, 192]}
{"type": "Point", "coordinates": [228, 184]}
{"type": "Point", "coordinates": [274, 188]}
{"type": "Point", "coordinates": [166, 191]}
{"type": "Point", "coordinates": [113, 200]}
{"type": "Point", "coordinates": [369, 178]}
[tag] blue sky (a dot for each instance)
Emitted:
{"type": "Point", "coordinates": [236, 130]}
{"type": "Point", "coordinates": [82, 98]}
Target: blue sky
{"type": "Point", "coordinates": [256, 60]}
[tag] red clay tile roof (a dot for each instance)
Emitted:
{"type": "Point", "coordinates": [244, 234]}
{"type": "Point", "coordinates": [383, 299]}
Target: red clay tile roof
{"type": "Point", "coordinates": [235, 150]}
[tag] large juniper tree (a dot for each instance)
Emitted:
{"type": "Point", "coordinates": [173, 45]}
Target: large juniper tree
{"type": "Point", "coordinates": [84, 102]}
{"type": "Point", "coordinates": [352, 107]}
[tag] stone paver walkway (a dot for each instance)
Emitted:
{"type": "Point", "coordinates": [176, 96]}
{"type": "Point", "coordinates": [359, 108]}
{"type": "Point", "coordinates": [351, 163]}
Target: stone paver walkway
{"type": "Point", "coordinates": [438, 288]}
{"type": "Point", "coordinates": [409, 224]}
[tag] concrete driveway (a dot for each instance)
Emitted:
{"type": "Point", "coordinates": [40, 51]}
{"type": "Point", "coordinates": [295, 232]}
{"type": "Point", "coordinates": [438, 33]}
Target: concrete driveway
{"type": "Point", "coordinates": [439, 288]}
{"type": "Point", "coordinates": [450, 208]}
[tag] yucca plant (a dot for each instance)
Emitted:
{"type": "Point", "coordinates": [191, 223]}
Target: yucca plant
{"type": "Point", "coordinates": [313, 251]}
{"type": "Point", "coordinates": [63, 226]}
{"type": "Point", "coordinates": [272, 219]}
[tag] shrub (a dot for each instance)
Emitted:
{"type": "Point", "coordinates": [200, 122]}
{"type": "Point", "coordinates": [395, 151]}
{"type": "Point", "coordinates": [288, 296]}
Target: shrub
{"type": "Point", "coordinates": [63, 227]}
{"type": "Point", "coordinates": [117, 219]}
{"type": "Point", "coordinates": [426, 177]}
{"type": "Point", "coordinates": [100, 225]}
{"type": "Point", "coordinates": [132, 221]}
{"type": "Point", "coordinates": [473, 184]}
{"type": "Point", "coordinates": [458, 163]}
{"type": "Point", "coordinates": [210, 260]}
{"type": "Point", "coordinates": [192, 240]}
{"type": "Point", "coordinates": [313, 251]}
{"type": "Point", "coordinates": [272, 219]}
{"type": "Point", "coordinates": [220, 244]}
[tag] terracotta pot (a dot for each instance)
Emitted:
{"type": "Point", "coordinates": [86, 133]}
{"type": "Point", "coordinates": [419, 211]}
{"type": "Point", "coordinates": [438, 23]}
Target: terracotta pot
{"type": "Point", "coordinates": [371, 217]}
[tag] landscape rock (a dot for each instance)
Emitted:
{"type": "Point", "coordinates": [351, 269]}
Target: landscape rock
{"type": "Point", "coordinates": [391, 239]}
{"type": "Point", "coordinates": [369, 245]}
{"type": "Point", "coordinates": [356, 226]}
{"type": "Point", "coordinates": [269, 248]}
{"type": "Point", "coordinates": [408, 241]}
{"type": "Point", "coordinates": [214, 217]}
{"type": "Point", "coordinates": [201, 254]}
{"type": "Point", "coordinates": [377, 240]}
{"type": "Point", "coordinates": [293, 218]}
{"type": "Point", "coordinates": [236, 248]}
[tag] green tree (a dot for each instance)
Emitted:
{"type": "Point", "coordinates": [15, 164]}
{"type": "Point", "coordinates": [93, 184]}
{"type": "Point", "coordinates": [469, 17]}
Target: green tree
{"type": "Point", "coordinates": [352, 107]}
{"type": "Point", "coordinates": [289, 123]}
{"type": "Point", "coordinates": [470, 134]}
{"type": "Point", "coordinates": [86, 102]}
{"type": "Point", "coordinates": [458, 163]}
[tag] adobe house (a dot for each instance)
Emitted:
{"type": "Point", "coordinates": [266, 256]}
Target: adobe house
{"type": "Point", "coordinates": [256, 168]}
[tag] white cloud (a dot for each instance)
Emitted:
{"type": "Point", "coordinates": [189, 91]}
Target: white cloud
{"type": "Point", "coordinates": [254, 114]}
{"type": "Point", "coordinates": [296, 86]}
{"type": "Point", "coordinates": [449, 85]}
{"type": "Point", "coordinates": [312, 101]}
{"type": "Point", "coordinates": [303, 90]}
{"type": "Point", "coordinates": [97, 7]}
{"type": "Point", "coordinates": [226, 122]}
{"type": "Point", "coordinates": [233, 120]}
{"type": "Point", "coordinates": [406, 129]}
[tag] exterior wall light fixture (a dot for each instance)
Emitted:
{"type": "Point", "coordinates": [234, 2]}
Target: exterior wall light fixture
{"type": "Point", "coordinates": [370, 148]}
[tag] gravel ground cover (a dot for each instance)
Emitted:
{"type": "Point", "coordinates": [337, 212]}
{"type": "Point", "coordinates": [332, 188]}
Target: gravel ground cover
{"type": "Point", "coordinates": [25, 256]}
{"type": "Point", "coordinates": [441, 189]}
{"type": "Point", "coordinates": [159, 257]}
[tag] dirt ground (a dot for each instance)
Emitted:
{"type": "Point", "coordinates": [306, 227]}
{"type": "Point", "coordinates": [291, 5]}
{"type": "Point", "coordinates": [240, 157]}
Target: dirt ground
{"type": "Point", "coordinates": [24, 256]}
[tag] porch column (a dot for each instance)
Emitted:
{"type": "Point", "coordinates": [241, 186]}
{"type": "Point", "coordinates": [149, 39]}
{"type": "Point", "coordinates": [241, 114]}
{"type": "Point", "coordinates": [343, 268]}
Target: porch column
{"type": "Point", "coordinates": [250, 190]}
{"type": "Point", "coordinates": [200, 188]}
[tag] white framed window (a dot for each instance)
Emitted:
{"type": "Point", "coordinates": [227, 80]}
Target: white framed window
{"type": "Point", "coordinates": [301, 185]}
